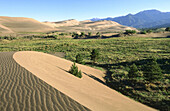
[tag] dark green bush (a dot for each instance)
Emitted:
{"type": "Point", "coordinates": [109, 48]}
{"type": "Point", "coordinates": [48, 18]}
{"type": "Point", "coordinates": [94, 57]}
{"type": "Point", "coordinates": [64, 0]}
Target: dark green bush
{"type": "Point", "coordinates": [94, 55]}
{"type": "Point", "coordinates": [98, 35]}
{"type": "Point", "coordinates": [133, 72]}
{"type": "Point", "coordinates": [74, 71]}
{"type": "Point", "coordinates": [130, 32]}
{"type": "Point", "coordinates": [143, 32]}
{"type": "Point", "coordinates": [89, 34]}
{"type": "Point", "coordinates": [149, 31]}
{"type": "Point", "coordinates": [82, 34]}
{"type": "Point", "coordinates": [167, 29]}
{"type": "Point", "coordinates": [152, 71]}
{"type": "Point", "coordinates": [79, 59]}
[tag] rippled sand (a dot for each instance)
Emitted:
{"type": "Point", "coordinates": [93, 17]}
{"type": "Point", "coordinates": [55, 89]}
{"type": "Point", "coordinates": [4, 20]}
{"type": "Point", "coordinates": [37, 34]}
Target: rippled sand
{"type": "Point", "coordinates": [20, 90]}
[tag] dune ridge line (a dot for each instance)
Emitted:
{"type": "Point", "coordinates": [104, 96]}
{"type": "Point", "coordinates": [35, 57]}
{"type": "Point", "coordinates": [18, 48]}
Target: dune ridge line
{"type": "Point", "coordinates": [86, 91]}
{"type": "Point", "coordinates": [20, 90]}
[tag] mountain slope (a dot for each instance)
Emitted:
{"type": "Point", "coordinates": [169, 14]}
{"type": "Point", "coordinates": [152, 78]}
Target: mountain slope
{"type": "Point", "coordinates": [143, 19]}
{"type": "Point", "coordinates": [21, 24]}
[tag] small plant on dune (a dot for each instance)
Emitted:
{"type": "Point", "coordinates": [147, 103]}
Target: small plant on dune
{"type": "Point", "coordinates": [94, 55]}
{"type": "Point", "coordinates": [79, 59]}
{"type": "Point", "coordinates": [74, 71]}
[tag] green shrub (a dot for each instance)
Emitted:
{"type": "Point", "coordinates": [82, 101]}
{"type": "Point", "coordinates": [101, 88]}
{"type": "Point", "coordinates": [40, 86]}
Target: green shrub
{"type": "Point", "coordinates": [74, 71]}
{"type": "Point", "coordinates": [94, 55]}
{"type": "Point", "coordinates": [149, 31]}
{"type": "Point", "coordinates": [167, 29]}
{"type": "Point", "coordinates": [133, 72]}
{"type": "Point", "coordinates": [82, 34]}
{"type": "Point", "coordinates": [130, 32]}
{"type": "Point", "coordinates": [143, 32]}
{"type": "Point", "coordinates": [89, 34]}
{"type": "Point", "coordinates": [75, 35]}
{"type": "Point", "coordinates": [152, 71]}
{"type": "Point", "coordinates": [79, 59]}
{"type": "Point", "coordinates": [98, 35]}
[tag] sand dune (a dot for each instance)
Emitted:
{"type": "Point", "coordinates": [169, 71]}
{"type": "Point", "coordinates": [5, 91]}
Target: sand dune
{"type": "Point", "coordinates": [21, 24]}
{"type": "Point", "coordinates": [20, 90]}
{"type": "Point", "coordinates": [87, 91]}
{"type": "Point", "coordinates": [88, 26]}
{"type": "Point", "coordinates": [5, 29]}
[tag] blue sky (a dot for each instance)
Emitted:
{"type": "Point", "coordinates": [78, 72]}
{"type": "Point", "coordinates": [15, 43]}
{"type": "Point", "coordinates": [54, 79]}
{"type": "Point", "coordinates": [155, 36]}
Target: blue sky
{"type": "Point", "coordinates": [56, 10]}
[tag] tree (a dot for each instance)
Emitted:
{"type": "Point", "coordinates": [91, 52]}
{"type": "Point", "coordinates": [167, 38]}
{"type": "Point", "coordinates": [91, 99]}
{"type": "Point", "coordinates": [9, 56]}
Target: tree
{"type": "Point", "coordinates": [74, 71]}
{"type": "Point", "coordinates": [143, 32]}
{"type": "Point", "coordinates": [133, 72]}
{"type": "Point", "coordinates": [79, 59]}
{"type": "Point", "coordinates": [89, 34]}
{"type": "Point", "coordinates": [152, 71]}
{"type": "Point", "coordinates": [82, 34]}
{"type": "Point", "coordinates": [130, 32]}
{"type": "Point", "coordinates": [167, 29]}
{"type": "Point", "coordinates": [149, 31]}
{"type": "Point", "coordinates": [98, 35]}
{"type": "Point", "coordinates": [75, 35]}
{"type": "Point", "coordinates": [94, 55]}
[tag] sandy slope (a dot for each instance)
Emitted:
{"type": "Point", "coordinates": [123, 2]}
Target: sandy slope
{"type": "Point", "coordinates": [87, 91]}
{"type": "Point", "coordinates": [21, 24]}
{"type": "Point", "coordinates": [5, 29]}
{"type": "Point", "coordinates": [20, 90]}
{"type": "Point", "coordinates": [88, 26]}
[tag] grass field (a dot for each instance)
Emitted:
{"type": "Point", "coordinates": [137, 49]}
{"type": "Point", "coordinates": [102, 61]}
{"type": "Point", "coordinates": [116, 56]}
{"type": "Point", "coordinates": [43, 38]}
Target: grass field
{"type": "Point", "coordinates": [116, 55]}
{"type": "Point", "coordinates": [112, 51]}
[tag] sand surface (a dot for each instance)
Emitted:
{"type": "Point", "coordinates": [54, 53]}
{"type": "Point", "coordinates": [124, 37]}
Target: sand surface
{"type": "Point", "coordinates": [88, 26]}
{"type": "Point", "coordinates": [87, 90]}
{"type": "Point", "coordinates": [20, 90]}
{"type": "Point", "coordinates": [21, 24]}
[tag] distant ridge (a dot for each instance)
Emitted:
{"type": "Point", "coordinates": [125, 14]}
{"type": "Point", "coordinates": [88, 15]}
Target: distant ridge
{"type": "Point", "coordinates": [88, 26]}
{"type": "Point", "coordinates": [144, 19]}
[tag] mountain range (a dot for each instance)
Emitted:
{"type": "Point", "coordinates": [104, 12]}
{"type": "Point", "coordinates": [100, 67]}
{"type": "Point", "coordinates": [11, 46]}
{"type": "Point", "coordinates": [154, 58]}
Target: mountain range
{"type": "Point", "coordinates": [144, 19]}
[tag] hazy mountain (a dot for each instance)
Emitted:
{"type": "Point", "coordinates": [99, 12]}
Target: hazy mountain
{"type": "Point", "coordinates": [143, 19]}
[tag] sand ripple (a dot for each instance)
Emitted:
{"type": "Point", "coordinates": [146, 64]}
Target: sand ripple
{"type": "Point", "coordinates": [20, 90]}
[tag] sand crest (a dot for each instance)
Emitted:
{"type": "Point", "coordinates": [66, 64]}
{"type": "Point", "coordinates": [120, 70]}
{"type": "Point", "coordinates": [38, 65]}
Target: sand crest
{"type": "Point", "coordinates": [20, 90]}
{"type": "Point", "coordinates": [87, 91]}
